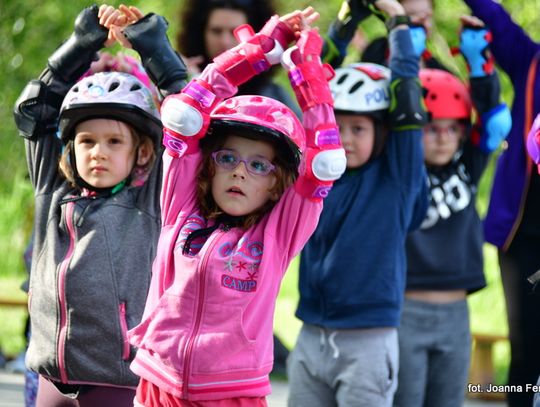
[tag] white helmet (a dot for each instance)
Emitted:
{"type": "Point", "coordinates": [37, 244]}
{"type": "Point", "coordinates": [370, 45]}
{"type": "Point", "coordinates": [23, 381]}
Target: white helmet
{"type": "Point", "coordinates": [113, 95]}
{"type": "Point", "coordinates": [361, 88]}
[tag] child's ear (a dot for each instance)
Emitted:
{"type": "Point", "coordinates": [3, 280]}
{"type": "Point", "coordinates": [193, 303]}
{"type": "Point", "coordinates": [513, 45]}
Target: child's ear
{"type": "Point", "coordinates": [145, 152]}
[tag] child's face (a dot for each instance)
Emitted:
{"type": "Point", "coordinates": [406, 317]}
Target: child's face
{"type": "Point", "coordinates": [442, 139]}
{"type": "Point", "coordinates": [105, 152]}
{"type": "Point", "coordinates": [357, 137]}
{"type": "Point", "coordinates": [236, 191]}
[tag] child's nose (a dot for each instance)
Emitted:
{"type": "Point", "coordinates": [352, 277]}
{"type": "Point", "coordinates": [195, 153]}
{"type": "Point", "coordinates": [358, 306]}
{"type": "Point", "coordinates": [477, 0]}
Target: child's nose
{"type": "Point", "coordinates": [240, 170]}
{"type": "Point", "coordinates": [98, 151]}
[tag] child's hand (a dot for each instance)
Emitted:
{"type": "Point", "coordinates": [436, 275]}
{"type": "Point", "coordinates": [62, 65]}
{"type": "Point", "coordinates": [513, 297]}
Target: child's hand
{"type": "Point", "coordinates": [109, 17]}
{"type": "Point", "coordinates": [300, 20]}
{"type": "Point", "coordinates": [390, 7]}
{"type": "Point", "coordinates": [116, 20]}
{"type": "Point", "coordinates": [471, 21]}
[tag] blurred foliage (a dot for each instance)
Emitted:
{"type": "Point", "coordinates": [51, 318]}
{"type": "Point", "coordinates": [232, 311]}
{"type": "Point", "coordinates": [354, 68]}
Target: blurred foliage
{"type": "Point", "coordinates": [31, 30]}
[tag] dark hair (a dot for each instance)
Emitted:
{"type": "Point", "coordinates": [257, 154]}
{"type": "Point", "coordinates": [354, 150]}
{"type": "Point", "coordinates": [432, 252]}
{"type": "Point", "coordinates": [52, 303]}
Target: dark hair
{"type": "Point", "coordinates": [215, 140]}
{"type": "Point", "coordinates": [193, 18]}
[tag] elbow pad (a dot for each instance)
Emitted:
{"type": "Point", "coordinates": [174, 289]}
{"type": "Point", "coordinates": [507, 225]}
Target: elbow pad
{"type": "Point", "coordinates": [36, 110]}
{"type": "Point", "coordinates": [328, 165]}
{"type": "Point", "coordinates": [407, 108]}
{"type": "Point", "coordinates": [324, 163]}
{"type": "Point", "coordinates": [186, 116]}
{"type": "Point", "coordinates": [496, 125]}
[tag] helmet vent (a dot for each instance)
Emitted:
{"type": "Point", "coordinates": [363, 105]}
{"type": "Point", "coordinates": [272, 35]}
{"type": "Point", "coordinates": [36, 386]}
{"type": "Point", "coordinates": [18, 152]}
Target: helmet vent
{"type": "Point", "coordinates": [135, 86]}
{"type": "Point", "coordinates": [342, 78]}
{"type": "Point", "coordinates": [356, 86]}
{"type": "Point", "coordinates": [113, 86]}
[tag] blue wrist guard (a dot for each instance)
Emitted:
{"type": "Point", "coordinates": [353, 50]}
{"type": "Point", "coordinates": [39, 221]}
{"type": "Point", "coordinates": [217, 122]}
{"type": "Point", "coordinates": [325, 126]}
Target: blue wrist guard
{"type": "Point", "coordinates": [496, 125]}
{"type": "Point", "coordinates": [474, 45]}
{"type": "Point", "coordinates": [418, 38]}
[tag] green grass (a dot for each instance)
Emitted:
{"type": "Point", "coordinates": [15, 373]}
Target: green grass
{"type": "Point", "coordinates": [13, 318]}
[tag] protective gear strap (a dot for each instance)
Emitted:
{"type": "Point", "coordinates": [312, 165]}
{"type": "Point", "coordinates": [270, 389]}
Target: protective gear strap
{"type": "Point", "coordinates": [310, 84]}
{"type": "Point", "coordinates": [241, 63]}
{"type": "Point", "coordinates": [36, 110]}
{"type": "Point", "coordinates": [474, 45]}
{"type": "Point", "coordinates": [148, 36]}
{"type": "Point", "coordinates": [407, 108]}
{"type": "Point", "coordinates": [394, 21]}
{"type": "Point", "coordinates": [73, 58]}
{"type": "Point", "coordinates": [496, 125]}
{"type": "Point", "coordinates": [256, 53]}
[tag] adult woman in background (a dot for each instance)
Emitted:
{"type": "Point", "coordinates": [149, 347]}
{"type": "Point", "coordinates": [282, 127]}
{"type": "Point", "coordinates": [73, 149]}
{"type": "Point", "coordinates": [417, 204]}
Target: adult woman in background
{"type": "Point", "coordinates": [206, 30]}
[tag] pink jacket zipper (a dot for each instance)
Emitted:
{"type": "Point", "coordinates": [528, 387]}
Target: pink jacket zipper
{"type": "Point", "coordinates": [124, 328]}
{"type": "Point", "coordinates": [62, 294]}
{"type": "Point", "coordinates": [189, 347]}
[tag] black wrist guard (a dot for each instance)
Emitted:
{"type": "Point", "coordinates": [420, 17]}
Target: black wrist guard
{"type": "Point", "coordinates": [148, 36]}
{"type": "Point", "coordinates": [393, 22]}
{"type": "Point", "coordinates": [73, 57]}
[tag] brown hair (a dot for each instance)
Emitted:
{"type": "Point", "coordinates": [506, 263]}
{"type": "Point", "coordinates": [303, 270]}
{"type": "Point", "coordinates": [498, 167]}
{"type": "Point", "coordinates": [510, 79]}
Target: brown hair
{"type": "Point", "coordinates": [214, 141]}
{"type": "Point", "coordinates": [141, 171]}
{"type": "Point", "coordinates": [193, 17]}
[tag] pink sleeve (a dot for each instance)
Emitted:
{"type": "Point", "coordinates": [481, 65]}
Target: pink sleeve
{"type": "Point", "coordinates": [178, 187]}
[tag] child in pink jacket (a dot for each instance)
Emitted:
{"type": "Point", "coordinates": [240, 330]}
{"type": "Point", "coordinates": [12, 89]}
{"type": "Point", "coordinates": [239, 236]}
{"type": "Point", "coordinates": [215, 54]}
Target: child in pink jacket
{"type": "Point", "coordinates": [242, 193]}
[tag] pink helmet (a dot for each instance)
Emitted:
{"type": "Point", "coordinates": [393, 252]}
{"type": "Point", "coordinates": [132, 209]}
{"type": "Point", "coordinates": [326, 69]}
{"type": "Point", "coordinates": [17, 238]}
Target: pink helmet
{"type": "Point", "coordinates": [447, 97]}
{"type": "Point", "coordinates": [113, 95]}
{"type": "Point", "coordinates": [261, 117]}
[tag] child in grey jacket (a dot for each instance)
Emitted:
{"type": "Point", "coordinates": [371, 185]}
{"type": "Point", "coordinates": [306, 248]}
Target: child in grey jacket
{"type": "Point", "coordinates": [97, 217]}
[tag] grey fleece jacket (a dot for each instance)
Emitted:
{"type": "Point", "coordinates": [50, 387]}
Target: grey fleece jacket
{"type": "Point", "coordinates": [90, 272]}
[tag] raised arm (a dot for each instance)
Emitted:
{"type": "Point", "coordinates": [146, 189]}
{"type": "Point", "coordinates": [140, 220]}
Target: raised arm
{"type": "Point", "coordinates": [494, 116]}
{"type": "Point", "coordinates": [37, 108]}
{"type": "Point", "coordinates": [186, 116]}
{"type": "Point", "coordinates": [342, 29]}
{"type": "Point", "coordinates": [148, 36]}
{"type": "Point", "coordinates": [324, 157]}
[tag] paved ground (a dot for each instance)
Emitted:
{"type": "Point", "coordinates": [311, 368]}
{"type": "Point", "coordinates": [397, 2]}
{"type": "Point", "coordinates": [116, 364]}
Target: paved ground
{"type": "Point", "coordinates": [11, 393]}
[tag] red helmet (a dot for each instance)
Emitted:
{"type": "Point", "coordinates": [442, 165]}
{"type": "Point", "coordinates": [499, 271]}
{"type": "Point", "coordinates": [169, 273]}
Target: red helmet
{"type": "Point", "coordinates": [447, 97]}
{"type": "Point", "coordinates": [262, 118]}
